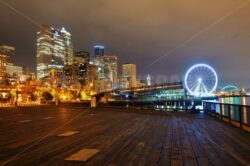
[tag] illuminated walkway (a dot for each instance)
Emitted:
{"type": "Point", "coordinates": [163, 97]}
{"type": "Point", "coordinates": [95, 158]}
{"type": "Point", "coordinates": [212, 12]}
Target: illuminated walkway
{"type": "Point", "coordinates": [134, 137]}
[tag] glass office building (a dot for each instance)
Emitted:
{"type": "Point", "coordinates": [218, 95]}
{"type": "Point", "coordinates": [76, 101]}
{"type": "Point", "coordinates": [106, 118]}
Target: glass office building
{"type": "Point", "coordinates": [54, 50]}
{"type": "Point", "coordinates": [99, 51]}
{"type": "Point", "coordinates": [9, 52]}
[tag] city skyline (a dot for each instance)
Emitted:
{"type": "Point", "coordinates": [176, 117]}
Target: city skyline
{"type": "Point", "coordinates": [135, 82]}
{"type": "Point", "coordinates": [141, 45]}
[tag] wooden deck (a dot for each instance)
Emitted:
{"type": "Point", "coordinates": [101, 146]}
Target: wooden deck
{"type": "Point", "coordinates": [29, 136]}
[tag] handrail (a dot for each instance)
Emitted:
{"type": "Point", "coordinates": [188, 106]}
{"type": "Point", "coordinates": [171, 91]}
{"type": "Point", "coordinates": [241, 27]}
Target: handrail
{"type": "Point", "coordinates": [234, 114]}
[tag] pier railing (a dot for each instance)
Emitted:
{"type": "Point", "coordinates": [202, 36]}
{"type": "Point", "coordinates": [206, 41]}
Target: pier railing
{"type": "Point", "coordinates": [236, 115]}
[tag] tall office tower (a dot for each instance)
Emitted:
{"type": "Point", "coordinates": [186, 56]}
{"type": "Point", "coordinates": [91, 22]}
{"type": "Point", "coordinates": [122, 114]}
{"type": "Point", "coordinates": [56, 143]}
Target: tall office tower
{"type": "Point", "coordinates": [110, 64]}
{"type": "Point", "coordinates": [78, 71]}
{"type": "Point", "coordinates": [2, 66]}
{"type": "Point", "coordinates": [129, 73]}
{"type": "Point", "coordinates": [82, 59]}
{"type": "Point", "coordinates": [68, 47]}
{"type": "Point", "coordinates": [101, 70]}
{"type": "Point", "coordinates": [92, 73]}
{"type": "Point", "coordinates": [9, 51]}
{"type": "Point", "coordinates": [149, 83]}
{"type": "Point", "coordinates": [54, 50]}
{"type": "Point", "coordinates": [82, 56]}
{"type": "Point", "coordinates": [99, 51]}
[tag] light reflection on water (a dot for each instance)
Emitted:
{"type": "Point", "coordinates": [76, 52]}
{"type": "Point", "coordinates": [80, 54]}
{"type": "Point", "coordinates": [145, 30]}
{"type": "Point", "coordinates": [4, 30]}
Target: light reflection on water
{"type": "Point", "coordinates": [235, 100]}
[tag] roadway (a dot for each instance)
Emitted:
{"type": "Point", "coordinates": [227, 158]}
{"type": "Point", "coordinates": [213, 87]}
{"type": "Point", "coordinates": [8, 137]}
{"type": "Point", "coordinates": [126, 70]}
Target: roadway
{"type": "Point", "coordinates": [29, 136]}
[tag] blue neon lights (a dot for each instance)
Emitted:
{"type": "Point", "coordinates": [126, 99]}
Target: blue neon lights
{"type": "Point", "coordinates": [99, 46]}
{"type": "Point", "coordinates": [192, 92]}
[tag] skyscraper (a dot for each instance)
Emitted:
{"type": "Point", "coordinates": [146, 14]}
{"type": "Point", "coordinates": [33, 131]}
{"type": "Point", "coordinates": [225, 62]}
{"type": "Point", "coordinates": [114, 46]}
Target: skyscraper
{"type": "Point", "coordinates": [68, 47]}
{"type": "Point", "coordinates": [106, 71]}
{"type": "Point", "coordinates": [2, 66]}
{"type": "Point", "coordinates": [82, 59]}
{"type": "Point", "coordinates": [148, 80]}
{"type": "Point", "coordinates": [110, 63]}
{"type": "Point", "coordinates": [99, 51]}
{"type": "Point", "coordinates": [129, 73]}
{"type": "Point", "coordinates": [9, 51]}
{"type": "Point", "coordinates": [78, 71]}
{"type": "Point", "coordinates": [92, 74]}
{"type": "Point", "coordinates": [82, 56]}
{"type": "Point", "coordinates": [54, 50]}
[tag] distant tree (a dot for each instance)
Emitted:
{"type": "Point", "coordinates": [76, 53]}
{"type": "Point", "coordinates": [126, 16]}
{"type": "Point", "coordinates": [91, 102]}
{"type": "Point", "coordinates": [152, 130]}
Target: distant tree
{"type": "Point", "coordinates": [33, 97]}
{"type": "Point", "coordinates": [47, 96]}
{"type": "Point", "coordinates": [79, 95]}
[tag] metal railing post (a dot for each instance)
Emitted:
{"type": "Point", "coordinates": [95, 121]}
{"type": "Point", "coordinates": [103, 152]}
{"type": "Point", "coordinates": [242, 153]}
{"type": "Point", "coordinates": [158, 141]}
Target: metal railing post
{"type": "Point", "coordinates": [220, 111]}
{"type": "Point", "coordinates": [229, 113]}
{"type": "Point", "coordinates": [240, 116]}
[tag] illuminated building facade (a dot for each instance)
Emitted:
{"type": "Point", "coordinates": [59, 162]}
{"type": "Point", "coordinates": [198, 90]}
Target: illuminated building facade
{"type": "Point", "coordinates": [129, 73]}
{"type": "Point", "coordinates": [82, 57]}
{"type": "Point", "coordinates": [107, 72]}
{"type": "Point", "coordinates": [102, 75]}
{"type": "Point", "coordinates": [78, 71]}
{"type": "Point", "coordinates": [149, 83]}
{"type": "Point", "coordinates": [9, 51]}
{"type": "Point", "coordinates": [68, 47]}
{"type": "Point", "coordinates": [168, 95]}
{"type": "Point", "coordinates": [110, 65]}
{"type": "Point", "coordinates": [99, 51]}
{"type": "Point", "coordinates": [54, 50]}
{"type": "Point", "coordinates": [3, 59]}
{"type": "Point", "coordinates": [103, 85]}
{"type": "Point", "coordinates": [92, 73]}
{"type": "Point", "coordinates": [122, 84]}
{"type": "Point", "coordinates": [12, 69]}
{"type": "Point", "coordinates": [102, 71]}
{"type": "Point", "coordinates": [168, 91]}
{"type": "Point", "coordinates": [15, 73]}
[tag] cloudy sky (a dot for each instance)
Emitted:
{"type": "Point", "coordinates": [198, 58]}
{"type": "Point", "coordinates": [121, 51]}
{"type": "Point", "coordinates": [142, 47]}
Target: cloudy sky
{"type": "Point", "coordinates": [179, 32]}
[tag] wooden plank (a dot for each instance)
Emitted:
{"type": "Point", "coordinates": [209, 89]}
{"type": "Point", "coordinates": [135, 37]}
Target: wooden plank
{"type": "Point", "coordinates": [176, 151]}
{"type": "Point", "coordinates": [245, 127]}
{"type": "Point", "coordinates": [124, 137]}
{"type": "Point", "coordinates": [49, 117]}
{"type": "Point", "coordinates": [25, 121]}
{"type": "Point", "coordinates": [83, 155]}
{"type": "Point", "coordinates": [165, 158]}
{"type": "Point", "coordinates": [68, 133]}
{"type": "Point", "coordinates": [228, 148]}
{"type": "Point", "coordinates": [189, 156]}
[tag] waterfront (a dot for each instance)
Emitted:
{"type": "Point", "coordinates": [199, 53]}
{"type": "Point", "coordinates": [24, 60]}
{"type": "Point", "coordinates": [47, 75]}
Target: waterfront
{"type": "Point", "coordinates": [151, 82]}
{"type": "Point", "coordinates": [242, 100]}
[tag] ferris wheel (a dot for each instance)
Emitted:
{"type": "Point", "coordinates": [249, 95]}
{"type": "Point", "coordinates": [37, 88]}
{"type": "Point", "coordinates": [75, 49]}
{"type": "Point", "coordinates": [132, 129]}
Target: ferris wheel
{"type": "Point", "coordinates": [201, 80]}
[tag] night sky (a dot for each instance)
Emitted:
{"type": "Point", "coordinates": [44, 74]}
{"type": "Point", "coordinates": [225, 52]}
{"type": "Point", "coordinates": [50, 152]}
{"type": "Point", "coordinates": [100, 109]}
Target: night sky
{"type": "Point", "coordinates": [140, 31]}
